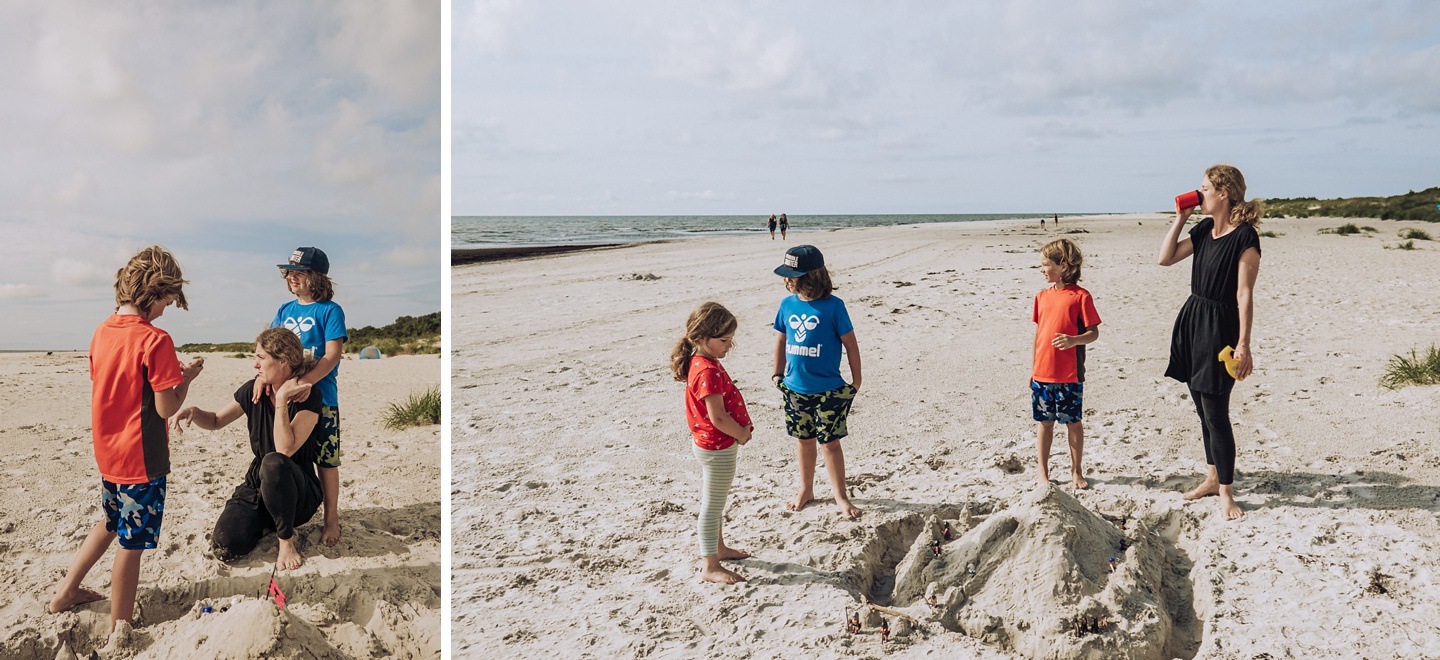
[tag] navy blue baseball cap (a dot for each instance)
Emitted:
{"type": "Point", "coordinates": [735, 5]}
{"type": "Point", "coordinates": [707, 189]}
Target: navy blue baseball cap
{"type": "Point", "coordinates": [799, 260]}
{"type": "Point", "coordinates": [308, 258]}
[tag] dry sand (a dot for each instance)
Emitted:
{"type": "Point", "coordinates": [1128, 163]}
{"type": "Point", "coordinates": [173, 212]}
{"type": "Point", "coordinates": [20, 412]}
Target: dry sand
{"type": "Point", "coordinates": [575, 493]}
{"type": "Point", "coordinates": [378, 592]}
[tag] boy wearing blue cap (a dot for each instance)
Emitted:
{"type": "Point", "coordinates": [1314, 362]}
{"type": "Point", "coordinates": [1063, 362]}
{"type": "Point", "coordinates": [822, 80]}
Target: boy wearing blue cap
{"type": "Point", "coordinates": [320, 324]}
{"type": "Point", "coordinates": [813, 326]}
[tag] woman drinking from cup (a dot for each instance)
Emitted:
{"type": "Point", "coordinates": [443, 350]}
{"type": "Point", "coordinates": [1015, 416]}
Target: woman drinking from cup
{"type": "Point", "coordinates": [1217, 315]}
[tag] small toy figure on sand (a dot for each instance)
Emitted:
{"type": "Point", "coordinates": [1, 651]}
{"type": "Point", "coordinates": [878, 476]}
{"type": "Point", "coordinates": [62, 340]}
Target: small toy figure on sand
{"type": "Point", "coordinates": [1112, 564]}
{"type": "Point", "coordinates": [935, 548]}
{"type": "Point", "coordinates": [852, 622]}
{"type": "Point", "coordinates": [970, 568]}
{"type": "Point", "coordinates": [945, 531]}
{"type": "Point", "coordinates": [884, 630]}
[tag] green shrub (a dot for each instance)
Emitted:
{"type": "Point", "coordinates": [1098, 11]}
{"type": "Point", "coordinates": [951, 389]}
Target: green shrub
{"type": "Point", "coordinates": [1412, 370]}
{"type": "Point", "coordinates": [1414, 234]}
{"type": "Point", "coordinates": [1270, 234]}
{"type": "Point", "coordinates": [1407, 245]}
{"type": "Point", "coordinates": [418, 410]}
{"type": "Point", "coordinates": [1343, 230]}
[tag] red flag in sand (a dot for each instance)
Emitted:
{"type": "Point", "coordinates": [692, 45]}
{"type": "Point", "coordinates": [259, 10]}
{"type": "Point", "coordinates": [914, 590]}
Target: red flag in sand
{"type": "Point", "coordinates": [276, 592]}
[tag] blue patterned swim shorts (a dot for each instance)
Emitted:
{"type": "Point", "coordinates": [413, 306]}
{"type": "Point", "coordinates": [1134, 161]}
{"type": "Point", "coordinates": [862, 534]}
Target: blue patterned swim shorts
{"type": "Point", "coordinates": [1056, 402]}
{"type": "Point", "coordinates": [134, 512]}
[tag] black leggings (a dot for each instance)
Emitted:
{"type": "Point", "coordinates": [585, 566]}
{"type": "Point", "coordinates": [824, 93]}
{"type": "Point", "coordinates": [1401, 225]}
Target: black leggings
{"type": "Point", "coordinates": [1214, 411]}
{"type": "Point", "coordinates": [286, 498]}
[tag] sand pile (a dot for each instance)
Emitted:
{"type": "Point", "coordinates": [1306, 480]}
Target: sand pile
{"type": "Point", "coordinates": [1037, 579]}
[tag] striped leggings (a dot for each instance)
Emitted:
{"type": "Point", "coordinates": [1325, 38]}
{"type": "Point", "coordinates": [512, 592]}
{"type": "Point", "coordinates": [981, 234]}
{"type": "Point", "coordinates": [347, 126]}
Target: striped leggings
{"type": "Point", "coordinates": [717, 470]}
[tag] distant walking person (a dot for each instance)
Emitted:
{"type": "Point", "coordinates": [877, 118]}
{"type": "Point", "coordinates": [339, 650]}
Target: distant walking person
{"type": "Point", "coordinates": [784, 225]}
{"type": "Point", "coordinates": [772, 226]}
{"type": "Point", "coordinates": [1217, 314]}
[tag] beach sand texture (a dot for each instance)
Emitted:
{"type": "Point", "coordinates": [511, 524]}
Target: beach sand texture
{"type": "Point", "coordinates": [378, 592]}
{"type": "Point", "coordinates": [575, 493]}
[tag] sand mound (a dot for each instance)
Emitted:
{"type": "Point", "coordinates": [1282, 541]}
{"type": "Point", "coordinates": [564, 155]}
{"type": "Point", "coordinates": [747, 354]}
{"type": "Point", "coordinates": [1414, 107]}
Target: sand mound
{"type": "Point", "coordinates": [1018, 579]}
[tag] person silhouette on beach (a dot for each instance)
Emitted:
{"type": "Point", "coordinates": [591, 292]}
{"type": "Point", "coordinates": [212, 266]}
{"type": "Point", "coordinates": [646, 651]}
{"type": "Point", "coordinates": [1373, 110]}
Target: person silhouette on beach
{"type": "Point", "coordinates": [771, 224]}
{"type": "Point", "coordinates": [784, 226]}
{"type": "Point", "coordinates": [1218, 313]}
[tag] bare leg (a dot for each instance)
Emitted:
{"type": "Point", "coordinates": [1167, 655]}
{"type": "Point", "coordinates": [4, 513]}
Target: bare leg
{"type": "Point", "coordinates": [724, 552]}
{"type": "Point", "coordinates": [1046, 438]}
{"type": "Point", "coordinates": [330, 486]}
{"type": "Point", "coordinates": [712, 571]}
{"type": "Point", "coordinates": [124, 578]}
{"type": "Point", "coordinates": [288, 558]}
{"type": "Point", "coordinates": [1228, 506]}
{"type": "Point", "coordinates": [1075, 435]}
{"type": "Point", "coordinates": [1210, 486]}
{"type": "Point", "coordinates": [70, 593]}
{"type": "Point", "coordinates": [835, 467]}
{"type": "Point", "coordinates": [807, 476]}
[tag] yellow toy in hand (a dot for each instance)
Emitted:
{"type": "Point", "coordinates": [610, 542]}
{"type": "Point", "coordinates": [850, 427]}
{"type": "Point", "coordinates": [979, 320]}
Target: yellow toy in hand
{"type": "Point", "coordinates": [1227, 355]}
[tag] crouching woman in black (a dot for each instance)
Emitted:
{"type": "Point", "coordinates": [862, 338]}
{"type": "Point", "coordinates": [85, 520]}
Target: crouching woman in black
{"type": "Point", "coordinates": [281, 489]}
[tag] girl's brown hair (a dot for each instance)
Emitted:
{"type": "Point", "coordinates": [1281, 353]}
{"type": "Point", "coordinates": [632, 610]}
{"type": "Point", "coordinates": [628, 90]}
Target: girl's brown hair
{"type": "Point", "coordinates": [320, 285]}
{"type": "Point", "coordinates": [283, 345]}
{"type": "Point", "coordinates": [814, 284]}
{"type": "Point", "coordinates": [150, 276]}
{"type": "Point", "coordinates": [1065, 253]}
{"type": "Point", "coordinates": [1232, 182]}
{"type": "Point", "coordinates": [709, 321]}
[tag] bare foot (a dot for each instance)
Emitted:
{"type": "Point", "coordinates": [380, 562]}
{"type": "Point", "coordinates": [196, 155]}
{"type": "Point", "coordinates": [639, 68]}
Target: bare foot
{"type": "Point", "coordinates": [69, 599]}
{"type": "Point", "coordinates": [1205, 489]}
{"type": "Point", "coordinates": [731, 553]}
{"type": "Point", "coordinates": [1045, 477]}
{"type": "Point", "coordinates": [289, 558]}
{"type": "Point", "coordinates": [850, 511]}
{"type": "Point", "coordinates": [805, 497]}
{"type": "Point", "coordinates": [1080, 482]}
{"type": "Point", "coordinates": [721, 576]}
{"type": "Point", "coordinates": [331, 535]}
{"type": "Point", "coordinates": [1229, 507]}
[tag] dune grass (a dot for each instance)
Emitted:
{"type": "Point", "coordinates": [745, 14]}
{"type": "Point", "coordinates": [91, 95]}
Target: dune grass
{"type": "Point", "coordinates": [1270, 234]}
{"type": "Point", "coordinates": [1345, 229]}
{"type": "Point", "coordinates": [418, 410]}
{"type": "Point", "coordinates": [1414, 234]}
{"type": "Point", "coordinates": [1413, 370]}
{"type": "Point", "coordinates": [1407, 245]}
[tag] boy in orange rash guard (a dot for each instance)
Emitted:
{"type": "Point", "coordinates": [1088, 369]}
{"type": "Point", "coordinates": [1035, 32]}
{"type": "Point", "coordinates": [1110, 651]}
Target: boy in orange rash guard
{"type": "Point", "coordinates": [137, 382]}
{"type": "Point", "coordinates": [1065, 319]}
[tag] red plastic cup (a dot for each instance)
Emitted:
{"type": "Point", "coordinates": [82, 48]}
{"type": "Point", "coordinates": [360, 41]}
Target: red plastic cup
{"type": "Point", "coordinates": [1188, 200]}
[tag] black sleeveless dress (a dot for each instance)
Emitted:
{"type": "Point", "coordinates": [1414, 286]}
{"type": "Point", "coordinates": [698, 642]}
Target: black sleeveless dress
{"type": "Point", "coordinates": [1210, 318]}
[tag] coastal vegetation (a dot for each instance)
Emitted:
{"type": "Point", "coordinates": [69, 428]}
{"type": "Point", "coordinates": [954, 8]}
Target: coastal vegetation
{"type": "Point", "coordinates": [1270, 234]}
{"type": "Point", "coordinates": [1412, 370]}
{"type": "Point", "coordinates": [1414, 234]}
{"type": "Point", "coordinates": [418, 410]}
{"type": "Point", "coordinates": [1345, 229]}
{"type": "Point", "coordinates": [407, 335]}
{"type": "Point", "coordinates": [1410, 206]}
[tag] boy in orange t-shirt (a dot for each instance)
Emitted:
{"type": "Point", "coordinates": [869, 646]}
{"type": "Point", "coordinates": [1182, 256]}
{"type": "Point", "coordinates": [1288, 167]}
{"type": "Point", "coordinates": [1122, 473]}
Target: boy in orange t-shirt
{"type": "Point", "coordinates": [1065, 319]}
{"type": "Point", "coordinates": [136, 383]}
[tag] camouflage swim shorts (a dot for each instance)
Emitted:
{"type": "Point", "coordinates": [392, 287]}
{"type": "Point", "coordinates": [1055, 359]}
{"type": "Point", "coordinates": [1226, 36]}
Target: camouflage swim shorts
{"type": "Point", "coordinates": [134, 512]}
{"type": "Point", "coordinates": [820, 416]}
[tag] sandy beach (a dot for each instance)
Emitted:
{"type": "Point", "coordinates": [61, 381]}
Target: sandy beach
{"type": "Point", "coordinates": [575, 493]}
{"type": "Point", "coordinates": [378, 592]}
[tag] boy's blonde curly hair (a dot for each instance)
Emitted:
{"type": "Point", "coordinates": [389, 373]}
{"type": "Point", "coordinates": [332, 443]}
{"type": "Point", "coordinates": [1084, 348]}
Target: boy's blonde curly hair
{"type": "Point", "coordinates": [152, 275]}
{"type": "Point", "coordinates": [1065, 253]}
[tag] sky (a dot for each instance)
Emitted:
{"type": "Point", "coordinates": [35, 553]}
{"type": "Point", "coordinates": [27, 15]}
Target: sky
{"type": "Point", "coordinates": [847, 106]}
{"type": "Point", "coordinates": [230, 133]}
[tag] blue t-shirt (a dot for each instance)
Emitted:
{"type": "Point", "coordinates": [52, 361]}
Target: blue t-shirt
{"type": "Point", "coordinates": [315, 324]}
{"type": "Point", "coordinates": [813, 329]}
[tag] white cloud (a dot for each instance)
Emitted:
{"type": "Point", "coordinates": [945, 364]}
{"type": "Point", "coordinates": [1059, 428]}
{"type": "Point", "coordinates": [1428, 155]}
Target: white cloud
{"type": "Point", "coordinates": [19, 291]}
{"type": "Point", "coordinates": [69, 271]}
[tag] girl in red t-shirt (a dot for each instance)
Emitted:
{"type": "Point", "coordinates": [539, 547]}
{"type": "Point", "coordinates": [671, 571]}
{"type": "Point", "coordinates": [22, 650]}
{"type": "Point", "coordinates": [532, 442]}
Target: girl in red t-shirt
{"type": "Point", "coordinates": [715, 413]}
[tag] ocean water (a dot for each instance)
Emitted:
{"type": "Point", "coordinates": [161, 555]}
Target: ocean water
{"type": "Point", "coordinates": [526, 231]}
